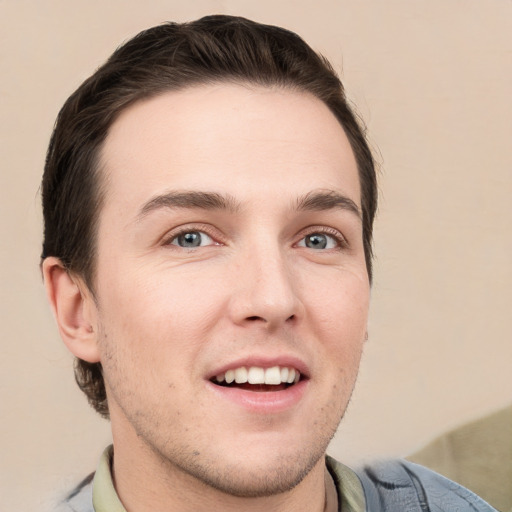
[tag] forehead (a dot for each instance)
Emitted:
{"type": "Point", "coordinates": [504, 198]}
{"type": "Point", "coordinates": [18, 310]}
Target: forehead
{"type": "Point", "coordinates": [241, 140]}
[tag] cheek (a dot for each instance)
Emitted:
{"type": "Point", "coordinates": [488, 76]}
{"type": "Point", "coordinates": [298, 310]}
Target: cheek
{"type": "Point", "coordinates": [340, 305]}
{"type": "Point", "coordinates": [155, 315]}
{"type": "Point", "coordinates": [339, 316]}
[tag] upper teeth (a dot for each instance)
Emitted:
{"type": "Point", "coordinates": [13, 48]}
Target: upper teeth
{"type": "Point", "coordinates": [257, 375]}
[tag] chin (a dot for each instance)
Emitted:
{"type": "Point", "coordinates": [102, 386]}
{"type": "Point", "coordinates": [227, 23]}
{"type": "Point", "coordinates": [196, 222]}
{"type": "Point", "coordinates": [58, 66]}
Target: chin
{"type": "Point", "coordinates": [252, 479]}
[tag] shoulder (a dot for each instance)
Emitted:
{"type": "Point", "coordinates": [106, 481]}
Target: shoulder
{"type": "Point", "coordinates": [478, 455]}
{"type": "Point", "coordinates": [79, 499]}
{"type": "Point", "coordinates": [395, 485]}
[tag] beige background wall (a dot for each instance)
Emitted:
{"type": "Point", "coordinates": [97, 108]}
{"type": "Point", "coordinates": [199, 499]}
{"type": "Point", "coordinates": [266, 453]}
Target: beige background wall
{"type": "Point", "coordinates": [432, 79]}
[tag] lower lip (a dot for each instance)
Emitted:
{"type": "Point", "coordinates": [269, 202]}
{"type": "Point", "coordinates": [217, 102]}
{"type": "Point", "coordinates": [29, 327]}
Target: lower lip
{"type": "Point", "coordinates": [266, 402]}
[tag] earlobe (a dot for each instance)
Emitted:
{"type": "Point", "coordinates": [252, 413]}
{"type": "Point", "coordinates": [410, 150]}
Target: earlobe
{"type": "Point", "coordinates": [74, 310]}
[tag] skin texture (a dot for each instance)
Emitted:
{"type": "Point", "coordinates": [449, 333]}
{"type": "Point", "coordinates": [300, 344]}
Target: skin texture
{"type": "Point", "coordinates": [165, 318]}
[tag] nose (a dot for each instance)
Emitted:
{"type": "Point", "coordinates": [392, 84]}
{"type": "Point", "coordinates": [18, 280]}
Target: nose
{"type": "Point", "coordinates": [265, 291]}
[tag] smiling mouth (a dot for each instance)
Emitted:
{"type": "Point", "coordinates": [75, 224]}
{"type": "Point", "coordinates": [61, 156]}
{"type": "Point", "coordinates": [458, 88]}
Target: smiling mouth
{"type": "Point", "coordinates": [258, 379]}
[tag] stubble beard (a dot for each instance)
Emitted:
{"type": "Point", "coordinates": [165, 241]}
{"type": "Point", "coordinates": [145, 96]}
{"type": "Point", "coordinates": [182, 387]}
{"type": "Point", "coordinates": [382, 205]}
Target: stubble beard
{"type": "Point", "coordinates": [242, 479]}
{"type": "Point", "coordinates": [214, 472]}
{"type": "Point", "coordinates": [246, 481]}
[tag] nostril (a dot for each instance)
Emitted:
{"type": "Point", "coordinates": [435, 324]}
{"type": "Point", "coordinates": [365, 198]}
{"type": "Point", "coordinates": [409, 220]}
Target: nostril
{"type": "Point", "coordinates": [253, 318]}
{"type": "Point", "coordinates": [259, 318]}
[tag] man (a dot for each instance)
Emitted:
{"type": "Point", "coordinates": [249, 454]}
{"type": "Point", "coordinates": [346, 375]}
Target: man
{"type": "Point", "coordinates": [209, 200]}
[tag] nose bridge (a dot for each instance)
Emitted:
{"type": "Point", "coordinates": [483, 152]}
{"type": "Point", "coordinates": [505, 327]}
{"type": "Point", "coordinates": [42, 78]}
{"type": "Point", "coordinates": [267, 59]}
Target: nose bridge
{"type": "Point", "coordinates": [265, 289]}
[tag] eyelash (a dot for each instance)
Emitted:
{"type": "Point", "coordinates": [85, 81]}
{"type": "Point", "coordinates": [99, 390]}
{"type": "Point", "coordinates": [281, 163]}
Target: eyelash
{"type": "Point", "coordinates": [197, 228]}
{"type": "Point", "coordinates": [340, 240]}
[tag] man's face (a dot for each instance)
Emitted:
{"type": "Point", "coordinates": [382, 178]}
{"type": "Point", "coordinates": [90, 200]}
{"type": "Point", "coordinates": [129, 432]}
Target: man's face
{"type": "Point", "coordinates": [230, 239]}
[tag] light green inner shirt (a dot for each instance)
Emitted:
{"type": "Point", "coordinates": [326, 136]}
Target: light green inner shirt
{"type": "Point", "coordinates": [348, 486]}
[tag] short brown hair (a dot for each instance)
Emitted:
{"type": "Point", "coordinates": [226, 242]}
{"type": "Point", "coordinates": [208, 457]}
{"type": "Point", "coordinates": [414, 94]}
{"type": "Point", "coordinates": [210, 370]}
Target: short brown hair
{"type": "Point", "coordinates": [170, 57]}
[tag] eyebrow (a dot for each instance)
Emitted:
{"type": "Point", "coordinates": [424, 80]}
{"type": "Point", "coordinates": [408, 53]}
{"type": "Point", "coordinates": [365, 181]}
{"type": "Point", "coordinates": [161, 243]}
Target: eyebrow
{"type": "Point", "coordinates": [316, 200]}
{"type": "Point", "coordinates": [190, 200]}
{"type": "Point", "coordinates": [322, 200]}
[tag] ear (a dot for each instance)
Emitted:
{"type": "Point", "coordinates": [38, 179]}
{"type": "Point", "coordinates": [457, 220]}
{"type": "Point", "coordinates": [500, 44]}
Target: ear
{"type": "Point", "coordinates": [74, 309]}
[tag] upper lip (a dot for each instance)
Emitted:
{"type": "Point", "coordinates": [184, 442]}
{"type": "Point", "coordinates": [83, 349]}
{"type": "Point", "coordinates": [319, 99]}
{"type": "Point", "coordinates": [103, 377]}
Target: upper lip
{"type": "Point", "coordinates": [263, 362]}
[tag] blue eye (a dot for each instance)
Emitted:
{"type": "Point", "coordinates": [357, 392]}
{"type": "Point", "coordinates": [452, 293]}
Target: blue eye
{"type": "Point", "coordinates": [191, 239]}
{"type": "Point", "coordinates": [318, 241]}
